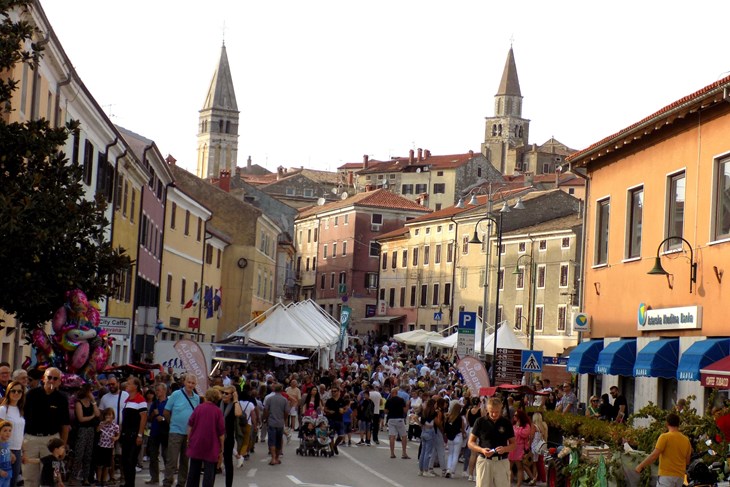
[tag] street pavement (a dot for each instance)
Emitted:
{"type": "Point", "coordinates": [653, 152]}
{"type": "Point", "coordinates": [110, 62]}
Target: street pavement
{"type": "Point", "coordinates": [354, 467]}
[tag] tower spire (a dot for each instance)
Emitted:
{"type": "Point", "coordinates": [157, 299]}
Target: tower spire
{"type": "Point", "coordinates": [510, 83]}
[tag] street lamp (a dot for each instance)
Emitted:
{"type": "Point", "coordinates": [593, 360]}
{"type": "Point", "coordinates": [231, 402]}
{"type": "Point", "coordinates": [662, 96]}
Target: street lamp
{"type": "Point", "coordinates": [659, 270]}
{"type": "Point", "coordinates": [531, 305]}
{"type": "Point", "coordinates": [475, 240]}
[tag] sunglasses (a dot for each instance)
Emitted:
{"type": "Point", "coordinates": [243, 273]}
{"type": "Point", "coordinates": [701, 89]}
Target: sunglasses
{"type": "Point", "coordinates": [53, 377]}
{"type": "Point", "coordinates": [16, 391]}
{"type": "Point", "coordinates": [226, 393]}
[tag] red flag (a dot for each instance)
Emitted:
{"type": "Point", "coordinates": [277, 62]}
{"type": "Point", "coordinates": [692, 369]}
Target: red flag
{"type": "Point", "coordinates": [194, 300]}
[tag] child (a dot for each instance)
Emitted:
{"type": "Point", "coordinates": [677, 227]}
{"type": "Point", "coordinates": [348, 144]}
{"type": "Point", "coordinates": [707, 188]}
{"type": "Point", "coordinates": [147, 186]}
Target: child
{"type": "Point", "coordinates": [6, 456]}
{"type": "Point", "coordinates": [108, 435]}
{"type": "Point", "coordinates": [52, 468]}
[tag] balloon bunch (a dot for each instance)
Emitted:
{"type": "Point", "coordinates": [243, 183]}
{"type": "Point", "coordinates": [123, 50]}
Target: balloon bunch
{"type": "Point", "coordinates": [78, 345]}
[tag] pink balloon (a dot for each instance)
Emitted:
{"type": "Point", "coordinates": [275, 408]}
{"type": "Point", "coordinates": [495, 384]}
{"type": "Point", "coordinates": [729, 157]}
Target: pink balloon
{"type": "Point", "coordinates": [59, 318]}
{"type": "Point", "coordinates": [80, 357]}
{"type": "Point", "coordinates": [41, 341]}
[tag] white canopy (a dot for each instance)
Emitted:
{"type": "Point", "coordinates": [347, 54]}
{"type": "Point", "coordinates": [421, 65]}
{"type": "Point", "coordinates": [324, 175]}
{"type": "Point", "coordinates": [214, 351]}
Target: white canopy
{"type": "Point", "coordinates": [506, 339]}
{"type": "Point", "coordinates": [416, 337]}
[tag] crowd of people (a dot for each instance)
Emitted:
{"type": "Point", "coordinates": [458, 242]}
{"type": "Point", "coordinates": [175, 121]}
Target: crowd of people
{"type": "Point", "coordinates": [109, 428]}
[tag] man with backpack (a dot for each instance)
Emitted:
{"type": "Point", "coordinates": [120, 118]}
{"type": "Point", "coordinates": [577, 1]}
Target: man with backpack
{"type": "Point", "coordinates": [365, 411]}
{"type": "Point", "coordinates": [178, 409]}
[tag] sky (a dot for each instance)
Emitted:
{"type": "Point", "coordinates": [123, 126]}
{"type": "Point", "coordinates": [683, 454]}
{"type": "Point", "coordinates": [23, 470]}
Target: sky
{"type": "Point", "coordinates": [322, 83]}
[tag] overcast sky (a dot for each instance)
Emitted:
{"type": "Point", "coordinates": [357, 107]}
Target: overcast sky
{"type": "Point", "coordinates": [320, 83]}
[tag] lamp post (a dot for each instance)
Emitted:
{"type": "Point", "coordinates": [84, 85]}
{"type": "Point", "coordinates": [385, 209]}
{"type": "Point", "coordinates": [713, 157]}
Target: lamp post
{"type": "Point", "coordinates": [659, 270]}
{"type": "Point", "coordinates": [531, 304]}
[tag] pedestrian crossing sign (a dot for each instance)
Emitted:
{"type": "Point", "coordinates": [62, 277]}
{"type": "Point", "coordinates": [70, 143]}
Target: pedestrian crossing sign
{"type": "Point", "coordinates": [531, 361]}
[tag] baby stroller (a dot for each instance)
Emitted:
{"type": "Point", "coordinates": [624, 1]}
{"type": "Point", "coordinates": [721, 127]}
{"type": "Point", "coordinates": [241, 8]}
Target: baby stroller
{"type": "Point", "coordinates": [316, 438]}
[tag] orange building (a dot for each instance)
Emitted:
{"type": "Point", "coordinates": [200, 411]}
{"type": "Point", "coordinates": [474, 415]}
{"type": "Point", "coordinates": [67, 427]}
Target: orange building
{"type": "Point", "coordinates": [659, 188]}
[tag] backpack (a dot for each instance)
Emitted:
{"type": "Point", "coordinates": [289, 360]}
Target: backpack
{"type": "Point", "coordinates": [366, 410]}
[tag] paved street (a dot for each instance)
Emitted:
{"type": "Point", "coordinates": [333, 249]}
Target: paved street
{"type": "Point", "coordinates": [354, 467]}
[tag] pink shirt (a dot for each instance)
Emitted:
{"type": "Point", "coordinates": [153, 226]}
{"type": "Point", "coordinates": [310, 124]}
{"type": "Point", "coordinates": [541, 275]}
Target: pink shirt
{"type": "Point", "coordinates": [107, 432]}
{"type": "Point", "coordinates": [206, 427]}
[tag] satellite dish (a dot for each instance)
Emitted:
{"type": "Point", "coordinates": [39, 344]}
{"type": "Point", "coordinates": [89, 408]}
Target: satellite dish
{"type": "Point", "coordinates": [320, 201]}
{"type": "Point", "coordinates": [334, 190]}
{"type": "Point", "coordinates": [418, 170]}
{"type": "Point", "coordinates": [385, 184]}
{"type": "Point", "coordinates": [344, 195]}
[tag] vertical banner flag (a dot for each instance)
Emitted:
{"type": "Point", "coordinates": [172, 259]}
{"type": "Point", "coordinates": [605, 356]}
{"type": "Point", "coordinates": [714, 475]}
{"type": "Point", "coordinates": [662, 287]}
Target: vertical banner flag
{"type": "Point", "coordinates": [193, 361]}
{"type": "Point", "coordinates": [474, 374]}
{"type": "Point", "coordinates": [345, 314]}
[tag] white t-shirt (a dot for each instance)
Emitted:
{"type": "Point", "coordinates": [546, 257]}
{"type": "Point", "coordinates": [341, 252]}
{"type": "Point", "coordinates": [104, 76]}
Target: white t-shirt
{"type": "Point", "coordinates": [376, 398]}
{"type": "Point", "coordinates": [113, 401]}
{"type": "Point", "coordinates": [248, 408]}
{"type": "Point", "coordinates": [12, 414]}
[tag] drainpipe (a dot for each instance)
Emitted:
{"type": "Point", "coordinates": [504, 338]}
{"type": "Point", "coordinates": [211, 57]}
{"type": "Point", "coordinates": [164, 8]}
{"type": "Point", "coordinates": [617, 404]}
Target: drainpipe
{"type": "Point", "coordinates": [36, 79]}
{"type": "Point", "coordinates": [453, 270]}
{"type": "Point", "coordinates": [57, 110]}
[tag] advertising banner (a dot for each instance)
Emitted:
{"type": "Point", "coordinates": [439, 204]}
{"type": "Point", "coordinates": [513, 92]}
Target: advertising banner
{"type": "Point", "coordinates": [474, 374]}
{"type": "Point", "coordinates": [193, 360]}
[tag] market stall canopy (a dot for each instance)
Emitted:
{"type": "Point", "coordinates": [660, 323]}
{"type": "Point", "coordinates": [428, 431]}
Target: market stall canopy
{"type": "Point", "coordinates": [701, 354]}
{"type": "Point", "coordinates": [416, 337]}
{"type": "Point", "coordinates": [509, 388]}
{"type": "Point", "coordinates": [506, 339]}
{"type": "Point", "coordinates": [716, 374]}
{"type": "Point", "coordinates": [286, 356]}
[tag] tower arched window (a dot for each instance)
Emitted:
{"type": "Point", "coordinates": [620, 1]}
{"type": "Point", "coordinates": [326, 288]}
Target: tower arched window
{"type": "Point", "coordinates": [228, 126]}
{"type": "Point", "coordinates": [508, 107]}
{"type": "Point", "coordinates": [520, 135]}
{"type": "Point", "coordinates": [494, 130]}
{"type": "Point", "coordinates": [220, 126]}
{"type": "Point", "coordinates": [499, 129]}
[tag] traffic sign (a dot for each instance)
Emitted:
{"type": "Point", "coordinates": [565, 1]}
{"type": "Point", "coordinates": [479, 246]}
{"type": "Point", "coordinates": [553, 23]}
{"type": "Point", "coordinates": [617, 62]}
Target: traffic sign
{"type": "Point", "coordinates": [531, 361]}
{"type": "Point", "coordinates": [508, 366]}
{"type": "Point", "coordinates": [438, 316]}
{"type": "Point", "coordinates": [467, 333]}
{"type": "Point", "coordinates": [342, 288]}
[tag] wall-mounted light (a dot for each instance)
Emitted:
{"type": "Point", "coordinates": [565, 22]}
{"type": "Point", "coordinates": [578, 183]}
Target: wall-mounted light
{"type": "Point", "coordinates": [658, 270]}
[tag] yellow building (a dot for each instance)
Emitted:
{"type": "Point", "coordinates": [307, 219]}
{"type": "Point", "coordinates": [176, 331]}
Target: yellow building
{"type": "Point", "coordinates": [263, 266]}
{"type": "Point", "coordinates": [305, 243]}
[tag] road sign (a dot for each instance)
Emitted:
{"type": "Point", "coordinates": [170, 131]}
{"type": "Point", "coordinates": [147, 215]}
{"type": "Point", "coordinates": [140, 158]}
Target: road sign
{"type": "Point", "coordinates": [554, 360]}
{"type": "Point", "coordinates": [508, 366]}
{"type": "Point", "coordinates": [581, 322]}
{"type": "Point", "coordinates": [342, 288]}
{"type": "Point", "coordinates": [438, 316]}
{"type": "Point", "coordinates": [531, 361]}
{"type": "Point", "coordinates": [467, 333]}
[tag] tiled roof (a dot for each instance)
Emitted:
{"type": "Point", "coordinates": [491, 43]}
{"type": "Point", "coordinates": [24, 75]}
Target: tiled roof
{"type": "Point", "coordinates": [649, 124]}
{"type": "Point", "coordinates": [398, 164]}
{"type": "Point", "coordinates": [395, 233]}
{"type": "Point", "coordinates": [380, 198]}
{"type": "Point", "coordinates": [510, 83]}
{"type": "Point", "coordinates": [562, 223]}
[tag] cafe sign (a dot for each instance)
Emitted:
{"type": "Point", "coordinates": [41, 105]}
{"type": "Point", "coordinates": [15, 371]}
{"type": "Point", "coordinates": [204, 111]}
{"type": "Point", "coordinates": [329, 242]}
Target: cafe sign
{"type": "Point", "coordinates": [682, 318]}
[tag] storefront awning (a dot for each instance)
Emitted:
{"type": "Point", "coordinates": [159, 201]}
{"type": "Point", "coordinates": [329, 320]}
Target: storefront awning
{"type": "Point", "coordinates": [617, 358]}
{"type": "Point", "coordinates": [583, 358]}
{"type": "Point", "coordinates": [701, 354]}
{"type": "Point", "coordinates": [716, 374]}
{"type": "Point", "coordinates": [658, 359]}
{"type": "Point", "coordinates": [382, 319]}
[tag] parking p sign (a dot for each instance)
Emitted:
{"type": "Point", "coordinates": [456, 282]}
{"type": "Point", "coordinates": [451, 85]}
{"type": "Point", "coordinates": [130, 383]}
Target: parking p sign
{"type": "Point", "coordinates": [467, 331]}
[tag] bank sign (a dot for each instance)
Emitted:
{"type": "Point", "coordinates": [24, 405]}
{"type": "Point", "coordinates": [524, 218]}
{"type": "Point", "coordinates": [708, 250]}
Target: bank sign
{"type": "Point", "coordinates": [684, 318]}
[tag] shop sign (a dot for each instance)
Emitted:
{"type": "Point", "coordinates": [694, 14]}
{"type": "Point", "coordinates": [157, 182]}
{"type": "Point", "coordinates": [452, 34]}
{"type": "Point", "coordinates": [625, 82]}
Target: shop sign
{"type": "Point", "coordinates": [682, 318]}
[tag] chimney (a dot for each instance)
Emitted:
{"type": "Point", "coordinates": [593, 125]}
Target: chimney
{"type": "Point", "coordinates": [471, 154]}
{"type": "Point", "coordinates": [427, 154]}
{"type": "Point", "coordinates": [170, 160]}
{"type": "Point", "coordinates": [420, 154]}
{"type": "Point", "coordinates": [410, 157]}
{"type": "Point", "coordinates": [365, 161]}
{"type": "Point", "coordinates": [248, 162]}
{"type": "Point", "coordinates": [225, 181]}
{"type": "Point", "coordinates": [528, 179]}
{"type": "Point", "coordinates": [350, 178]}
{"type": "Point", "coordinates": [238, 170]}
{"type": "Point", "coordinates": [279, 172]}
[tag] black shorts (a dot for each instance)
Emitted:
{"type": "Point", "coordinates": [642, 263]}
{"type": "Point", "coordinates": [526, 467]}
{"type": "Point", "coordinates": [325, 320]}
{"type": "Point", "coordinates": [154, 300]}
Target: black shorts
{"type": "Point", "coordinates": [103, 456]}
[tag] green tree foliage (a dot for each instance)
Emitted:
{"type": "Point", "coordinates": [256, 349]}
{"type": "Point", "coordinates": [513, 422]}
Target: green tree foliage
{"type": "Point", "coordinates": [52, 239]}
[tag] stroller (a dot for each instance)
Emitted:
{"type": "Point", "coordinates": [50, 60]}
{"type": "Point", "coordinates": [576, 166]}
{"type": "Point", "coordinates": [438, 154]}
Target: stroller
{"type": "Point", "coordinates": [316, 438]}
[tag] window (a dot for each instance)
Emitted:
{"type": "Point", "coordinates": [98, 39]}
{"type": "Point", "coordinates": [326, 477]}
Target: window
{"type": "Point", "coordinates": [415, 257]}
{"type": "Point", "coordinates": [424, 294]}
{"type": "Point", "coordinates": [173, 213]}
{"type": "Point", "coordinates": [187, 222]}
{"type": "Point", "coordinates": [522, 247]}
{"type": "Point", "coordinates": [449, 252]}
{"type": "Point", "coordinates": [322, 281]}
{"type": "Point", "coordinates": [347, 219]}
{"type": "Point", "coordinates": [435, 295]}
{"type": "Point", "coordinates": [520, 278]}
{"type": "Point", "coordinates": [208, 254]}
{"type": "Point", "coordinates": [324, 251]}
{"type": "Point", "coordinates": [428, 230]}
{"type": "Point", "coordinates": [394, 259]}
{"type": "Point", "coordinates": [543, 245]}
{"type": "Point", "coordinates": [406, 189]}
{"type": "Point", "coordinates": [602, 215]}
{"type": "Point", "coordinates": [315, 234]}
{"type": "Point", "coordinates": [722, 203]}
{"type": "Point", "coordinates": [343, 277]}
{"type": "Point", "coordinates": [168, 291]}
{"type": "Point", "coordinates": [439, 188]}
{"type": "Point", "coordinates": [218, 259]}
{"type": "Point", "coordinates": [371, 280]}
{"type": "Point", "coordinates": [465, 244]}
{"type": "Point", "coordinates": [464, 275]}
{"type": "Point", "coordinates": [500, 279]}
{"type": "Point", "coordinates": [562, 318]}
{"type": "Point", "coordinates": [564, 275]}
{"type": "Point", "coordinates": [518, 317]}
{"type": "Point", "coordinates": [200, 229]}
{"type": "Point", "coordinates": [376, 219]}
{"type": "Point", "coordinates": [289, 191]}
{"type": "Point", "coordinates": [402, 297]}
{"type": "Point", "coordinates": [426, 254]}
{"type": "Point", "coordinates": [500, 314]}
{"type": "Point", "coordinates": [125, 198]}
{"type": "Point", "coordinates": [541, 269]}
{"type": "Point", "coordinates": [391, 297]}
{"type": "Point", "coordinates": [404, 259]}
{"type": "Point", "coordinates": [437, 255]}
{"type": "Point", "coordinates": [421, 188]}
{"type": "Point", "coordinates": [539, 312]}
{"type": "Point", "coordinates": [88, 162]}
{"type": "Point", "coordinates": [309, 235]}
{"type": "Point", "coordinates": [334, 250]}
{"type": "Point", "coordinates": [447, 294]}
{"type": "Point", "coordinates": [565, 243]}
{"type": "Point", "coordinates": [308, 192]}
{"type": "Point", "coordinates": [307, 266]}
{"type": "Point", "coordinates": [182, 291]}
{"type": "Point", "coordinates": [482, 277]}
{"type": "Point", "coordinates": [344, 248]}
{"type": "Point", "coordinates": [132, 205]}
{"type": "Point", "coordinates": [374, 249]}
{"type": "Point", "coordinates": [337, 220]}
{"type": "Point", "coordinates": [332, 280]}
{"type": "Point", "coordinates": [413, 296]}
{"type": "Point", "coordinates": [384, 261]}
{"type": "Point", "coordinates": [675, 217]}
{"type": "Point", "coordinates": [633, 236]}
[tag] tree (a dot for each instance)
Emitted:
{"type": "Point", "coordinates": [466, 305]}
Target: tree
{"type": "Point", "coordinates": [52, 239]}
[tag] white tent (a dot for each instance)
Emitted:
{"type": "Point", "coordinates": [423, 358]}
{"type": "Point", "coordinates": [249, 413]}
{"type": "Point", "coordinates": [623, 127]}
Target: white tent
{"type": "Point", "coordinates": [416, 337]}
{"type": "Point", "coordinates": [506, 339]}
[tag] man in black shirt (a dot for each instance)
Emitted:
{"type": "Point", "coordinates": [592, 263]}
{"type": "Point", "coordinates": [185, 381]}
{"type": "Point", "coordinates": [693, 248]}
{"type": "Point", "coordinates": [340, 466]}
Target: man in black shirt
{"type": "Point", "coordinates": [396, 408]}
{"type": "Point", "coordinates": [492, 438]}
{"type": "Point", "coordinates": [334, 408]}
{"type": "Point", "coordinates": [619, 405]}
{"type": "Point", "coordinates": [46, 416]}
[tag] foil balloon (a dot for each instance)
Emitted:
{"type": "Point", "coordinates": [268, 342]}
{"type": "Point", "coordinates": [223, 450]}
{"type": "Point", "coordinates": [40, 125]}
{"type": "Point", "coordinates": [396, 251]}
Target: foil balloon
{"type": "Point", "coordinates": [59, 319]}
{"type": "Point", "coordinates": [40, 340]}
{"type": "Point", "coordinates": [79, 358]}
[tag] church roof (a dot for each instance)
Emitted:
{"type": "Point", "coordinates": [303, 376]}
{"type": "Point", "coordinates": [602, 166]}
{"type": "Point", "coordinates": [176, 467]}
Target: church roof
{"type": "Point", "coordinates": [221, 94]}
{"type": "Point", "coordinates": [510, 84]}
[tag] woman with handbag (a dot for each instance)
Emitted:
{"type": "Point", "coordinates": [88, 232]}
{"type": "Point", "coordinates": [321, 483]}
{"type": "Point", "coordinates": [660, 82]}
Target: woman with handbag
{"type": "Point", "coordinates": [87, 418]}
{"type": "Point", "coordinates": [539, 447]}
{"type": "Point", "coordinates": [521, 425]}
{"type": "Point", "coordinates": [455, 428]}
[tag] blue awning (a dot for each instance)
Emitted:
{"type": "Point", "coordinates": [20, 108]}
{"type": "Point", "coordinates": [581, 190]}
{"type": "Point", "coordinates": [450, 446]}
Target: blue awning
{"type": "Point", "coordinates": [582, 359]}
{"type": "Point", "coordinates": [658, 359]}
{"type": "Point", "coordinates": [617, 358]}
{"type": "Point", "coordinates": [701, 354]}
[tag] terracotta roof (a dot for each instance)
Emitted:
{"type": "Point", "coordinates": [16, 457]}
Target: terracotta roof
{"type": "Point", "coordinates": [562, 223]}
{"type": "Point", "coordinates": [351, 165]}
{"type": "Point", "coordinates": [380, 198]}
{"type": "Point", "coordinates": [395, 233]}
{"type": "Point", "coordinates": [649, 124]}
{"type": "Point", "coordinates": [434, 162]}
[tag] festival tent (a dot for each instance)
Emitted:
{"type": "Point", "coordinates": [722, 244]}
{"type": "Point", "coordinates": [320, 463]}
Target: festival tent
{"type": "Point", "coordinates": [506, 339]}
{"type": "Point", "coordinates": [416, 337]}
